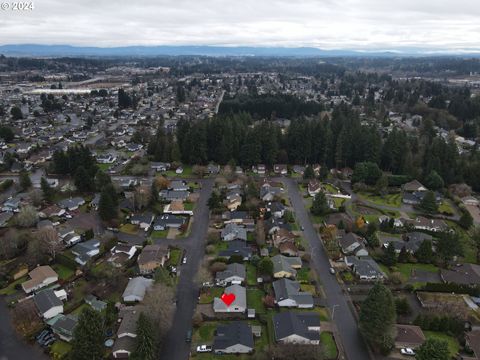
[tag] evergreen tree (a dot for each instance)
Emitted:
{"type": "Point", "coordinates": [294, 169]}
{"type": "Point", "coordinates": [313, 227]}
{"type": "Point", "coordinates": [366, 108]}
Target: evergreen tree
{"type": "Point", "coordinates": [145, 348]}
{"type": "Point", "coordinates": [448, 246]}
{"type": "Point", "coordinates": [16, 113]}
{"type": "Point", "coordinates": [466, 220]}
{"type": "Point", "coordinates": [83, 181]}
{"type": "Point", "coordinates": [429, 203]}
{"type": "Point", "coordinates": [434, 181]}
{"type": "Point", "coordinates": [24, 180]}
{"type": "Point", "coordinates": [108, 205]}
{"type": "Point", "coordinates": [403, 256]}
{"type": "Point", "coordinates": [433, 349]}
{"type": "Point", "coordinates": [265, 267]}
{"type": "Point", "coordinates": [320, 205]}
{"type": "Point", "coordinates": [308, 173]}
{"type": "Point", "coordinates": [424, 254]}
{"type": "Point", "coordinates": [102, 179]}
{"type": "Point", "coordinates": [378, 317]}
{"type": "Point", "coordinates": [389, 255]}
{"type": "Point", "coordinates": [48, 191]}
{"type": "Point", "coordinates": [88, 336]}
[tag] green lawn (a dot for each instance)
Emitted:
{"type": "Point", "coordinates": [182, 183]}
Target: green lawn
{"type": "Point", "coordinates": [210, 293]}
{"type": "Point", "coordinates": [10, 289]}
{"type": "Point", "coordinates": [453, 344]}
{"type": "Point", "coordinates": [251, 275]}
{"type": "Point", "coordinates": [187, 172]}
{"type": "Point", "coordinates": [205, 333]}
{"type": "Point", "coordinates": [189, 206]}
{"type": "Point", "coordinates": [329, 346]}
{"type": "Point", "coordinates": [60, 349]}
{"type": "Point", "coordinates": [129, 229]}
{"type": "Point", "coordinates": [79, 309]}
{"type": "Point", "coordinates": [406, 269]}
{"type": "Point", "coordinates": [303, 275]}
{"type": "Point", "coordinates": [104, 167]}
{"type": "Point", "coordinates": [394, 200]}
{"type": "Point", "coordinates": [254, 300]}
{"type": "Point", "coordinates": [175, 255]}
{"type": "Point", "coordinates": [330, 188]}
{"type": "Point", "coordinates": [445, 208]}
{"type": "Point", "coordinates": [159, 234]}
{"type": "Point", "coordinates": [64, 272]}
{"type": "Point", "coordinates": [338, 202]}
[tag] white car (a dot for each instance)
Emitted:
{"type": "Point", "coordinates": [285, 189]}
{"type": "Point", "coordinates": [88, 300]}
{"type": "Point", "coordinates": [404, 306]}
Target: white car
{"type": "Point", "coordinates": [332, 271]}
{"type": "Point", "coordinates": [407, 351]}
{"type": "Point", "coordinates": [204, 348]}
{"type": "Point", "coordinates": [184, 261]}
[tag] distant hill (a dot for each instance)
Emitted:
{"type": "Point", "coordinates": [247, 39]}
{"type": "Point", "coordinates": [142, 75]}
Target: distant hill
{"type": "Point", "coordinates": [67, 50]}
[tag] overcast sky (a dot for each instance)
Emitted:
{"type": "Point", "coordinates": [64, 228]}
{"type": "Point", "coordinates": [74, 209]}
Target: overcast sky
{"type": "Point", "coordinates": [329, 24]}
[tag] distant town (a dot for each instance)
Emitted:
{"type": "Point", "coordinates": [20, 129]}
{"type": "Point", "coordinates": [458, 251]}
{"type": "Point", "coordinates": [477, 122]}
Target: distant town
{"type": "Point", "coordinates": [248, 207]}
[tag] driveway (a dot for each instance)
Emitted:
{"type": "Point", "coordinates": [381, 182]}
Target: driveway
{"type": "Point", "coordinates": [344, 320]}
{"type": "Point", "coordinates": [175, 347]}
{"type": "Point", "coordinates": [12, 347]}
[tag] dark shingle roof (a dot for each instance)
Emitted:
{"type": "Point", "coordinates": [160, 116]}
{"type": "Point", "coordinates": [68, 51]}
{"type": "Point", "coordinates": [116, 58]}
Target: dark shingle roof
{"type": "Point", "coordinates": [233, 334]}
{"type": "Point", "coordinates": [296, 323]}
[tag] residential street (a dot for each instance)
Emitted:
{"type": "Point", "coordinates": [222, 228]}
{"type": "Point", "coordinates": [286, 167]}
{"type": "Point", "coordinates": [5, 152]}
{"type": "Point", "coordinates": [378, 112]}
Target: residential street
{"type": "Point", "coordinates": [11, 346]}
{"type": "Point", "coordinates": [175, 347]}
{"type": "Point", "coordinates": [354, 345]}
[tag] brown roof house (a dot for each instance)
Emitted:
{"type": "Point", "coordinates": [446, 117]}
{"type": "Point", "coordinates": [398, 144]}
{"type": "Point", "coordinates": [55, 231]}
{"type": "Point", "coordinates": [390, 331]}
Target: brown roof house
{"type": "Point", "coordinates": [39, 278]}
{"type": "Point", "coordinates": [152, 257]}
{"type": "Point", "coordinates": [472, 340]}
{"type": "Point", "coordinates": [410, 336]}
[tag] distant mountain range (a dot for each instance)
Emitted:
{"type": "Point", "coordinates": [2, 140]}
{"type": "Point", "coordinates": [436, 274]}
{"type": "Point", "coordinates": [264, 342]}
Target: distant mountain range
{"type": "Point", "coordinates": [165, 50]}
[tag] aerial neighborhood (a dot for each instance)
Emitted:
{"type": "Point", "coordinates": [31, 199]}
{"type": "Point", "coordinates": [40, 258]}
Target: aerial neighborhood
{"type": "Point", "coordinates": [204, 208]}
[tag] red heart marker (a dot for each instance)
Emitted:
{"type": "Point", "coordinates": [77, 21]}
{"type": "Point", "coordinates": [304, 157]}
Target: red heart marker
{"type": "Point", "coordinates": [228, 299]}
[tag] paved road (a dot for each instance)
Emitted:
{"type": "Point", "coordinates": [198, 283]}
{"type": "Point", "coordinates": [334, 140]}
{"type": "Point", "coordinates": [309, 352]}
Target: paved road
{"type": "Point", "coordinates": [175, 347]}
{"type": "Point", "coordinates": [13, 347]}
{"type": "Point", "coordinates": [353, 343]}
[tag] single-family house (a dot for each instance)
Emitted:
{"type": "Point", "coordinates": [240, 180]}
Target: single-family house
{"type": "Point", "coordinates": [288, 294]}
{"type": "Point", "coordinates": [144, 221]}
{"type": "Point", "coordinates": [178, 185]}
{"type": "Point", "coordinates": [297, 327]}
{"type": "Point", "coordinates": [464, 274]}
{"type": "Point", "coordinates": [408, 336]}
{"type": "Point", "coordinates": [284, 266]}
{"type": "Point", "coordinates": [413, 186]}
{"type": "Point", "coordinates": [239, 304]}
{"type": "Point", "coordinates": [40, 277]}
{"type": "Point", "coordinates": [237, 247]}
{"type": "Point", "coordinates": [48, 304]}
{"type": "Point", "coordinates": [71, 203]}
{"type": "Point", "coordinates": [168, 221]}
{"type": "Point", "coordinates": [171, 195]}
{"type": "Point", "coordinates": [280, 169]}
{"type": "Point", "coordinates": [152, 257]}
{"type": "Point", "coordinates": [136, 289]}
{"type": "Point", "coordinates": [125, 341]}
{"type": "Point", "coordinates": [176, 207]}
{"type": "Point", "coordinates": [233, 274]}
{"type": "Point", "coordinates": [349, 242]}
{"type": "Point", "coordinates": [314, 187]}
{"type": "Point", "coordinates": [63, 326]}
{"type": "Point", "coordinates": [233, 338]}
{"type": "Point", "coordinates": [472, 341]}
{"type": "Point", "coordinates": [233, 232]}
{"type": "Point", "coordinates": [276, 208]}
{"type": "Point", "coordinates": [86, 250]}
{"type": "Point", "coordinates": [365, 268]}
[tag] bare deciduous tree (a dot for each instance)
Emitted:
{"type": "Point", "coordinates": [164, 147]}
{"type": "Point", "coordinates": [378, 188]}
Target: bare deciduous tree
{"type": "Point", "coordinates": [27, 217]}
{"type": "Point", "coordinates": [49, 241]}
{"type": "Point", "coordinates": [160, 308]}
{"type": "Point", "coordinates": [142, 196]}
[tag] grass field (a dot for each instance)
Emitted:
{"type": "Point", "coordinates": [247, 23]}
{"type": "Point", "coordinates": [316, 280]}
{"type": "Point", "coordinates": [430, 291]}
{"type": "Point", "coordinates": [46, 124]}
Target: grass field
{"type": "Point", "coordinates": [60, 349]}
{"type": "Point", "coordinates": [406, 269]}
{"type": "Point", "coordinates": [210, 293]}
{"type": "Point", "coordinates": [254, 300]}
{"type": "Point", "coordinates": [329, 346]}
{"type": "Point", "coordinates": [64, 272]}
{"type": "Point", "coordinates": [129, 229]}
{"type": "Point", "coordinates": [394, 200]}
{"type": "Point", "coordinates": [251, 275]}
{"type": "Point", "coordinates": [175, 255]}
{"type": "Point", "coordinates": [159, 234]}
{"type": "Point", "coordinates": [10, 289]}
{"type": "Point", "coordinates": [453, 344]}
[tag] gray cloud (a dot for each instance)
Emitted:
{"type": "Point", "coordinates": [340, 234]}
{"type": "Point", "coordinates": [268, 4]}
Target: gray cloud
{"type": "Point", "coordinates": [355, 24]}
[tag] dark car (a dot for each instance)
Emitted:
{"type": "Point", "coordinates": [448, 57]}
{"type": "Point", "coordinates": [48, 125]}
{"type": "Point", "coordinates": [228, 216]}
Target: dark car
{"type": "Point", "coordinates": [188, 337]}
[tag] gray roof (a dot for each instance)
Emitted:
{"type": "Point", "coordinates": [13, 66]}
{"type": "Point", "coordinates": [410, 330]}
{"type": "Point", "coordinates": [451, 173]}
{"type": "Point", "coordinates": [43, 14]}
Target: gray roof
{"type": "Point", "coordinates": [232, 270]}
{"type": "Point", "coordinates": [240, 298]}
{"type": "Point", "coordinates": [137, 287]}
{"type": "Point", "coordinates": [285, 263]}
{"type": "Point", "coordinates": [290, 289]}
{"type": "Point", "coordinates": [46, 299]}
{"type": "Point", "coordinates": [64, 324]}
{"type": "Point", "coordinates": [169, 220]}
{"type": "Point", "coordinates": [296, 323]}
{"type": "Point", "coordinates": [235, 230]}
{"type": "Point", "coordinates": [237, 247]}
{"type": "Point", "coordinates": [232, 334]}
{"type": "Point", "coordinates": [71, 203]}
{"type": "Point", "coordinates": [366, 266]}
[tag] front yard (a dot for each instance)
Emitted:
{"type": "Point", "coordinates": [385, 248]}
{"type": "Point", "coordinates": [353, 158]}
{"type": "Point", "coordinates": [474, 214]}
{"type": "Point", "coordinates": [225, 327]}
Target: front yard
{"type": "Point", "coordinates": [329, 346]}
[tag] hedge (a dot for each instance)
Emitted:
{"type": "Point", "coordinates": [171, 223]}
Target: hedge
{"type": "Point", "coordinates": [452, 288]}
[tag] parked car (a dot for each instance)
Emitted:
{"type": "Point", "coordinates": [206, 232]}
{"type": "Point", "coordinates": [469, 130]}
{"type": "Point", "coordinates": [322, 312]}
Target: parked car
{"type": "Point", "coordinates": [207, 284]}
{"type": "Point", "coordinates": [332, 271]}
{"type": "Point", "coordinates": [184, 260]}
{"type": "Point", "coordinates": [407, 351]}
{"type": "Point", "coordinates": [188, 337]}
{"type": "Point", "coordinates": [302, 228]}
{"type": "Point", "coordinates": [204, 348]}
